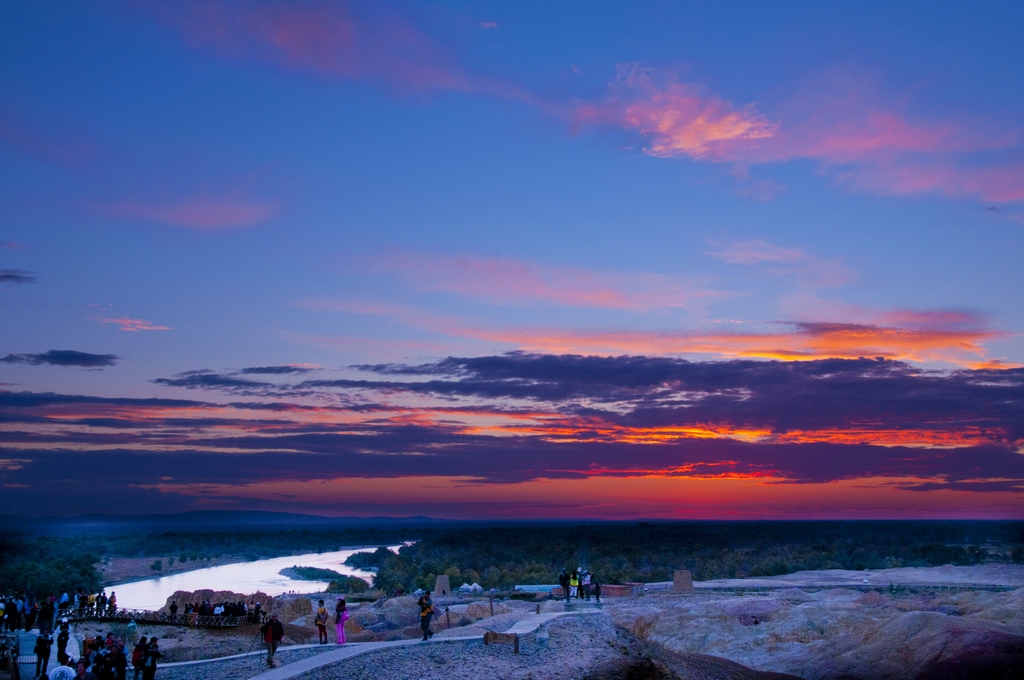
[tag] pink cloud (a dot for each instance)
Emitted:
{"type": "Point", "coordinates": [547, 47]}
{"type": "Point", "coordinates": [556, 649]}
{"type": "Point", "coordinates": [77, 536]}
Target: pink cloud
{"type": "Point", "coordinates": [327, 39]}
{"type": "Point", "coordinates": [133, 325]}
{"type": "Point", "coordinates": [863, 138]}
{"type": "Point", "coordinates": [758, 251]}
{"type": "Point", "coordinates": [501, 280]}
{"type": "Point", "coordinates": [676, 119]}
{"type": "Point", "coordinates": [780, 261]}
{"type": "Point", "coordinates": [199, 212]}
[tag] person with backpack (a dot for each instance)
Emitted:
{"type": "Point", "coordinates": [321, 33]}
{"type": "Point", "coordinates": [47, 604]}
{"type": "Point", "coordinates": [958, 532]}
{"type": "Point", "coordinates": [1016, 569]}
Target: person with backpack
{"type": "Point", "coordinates": [321, 623]}
{"type": "Point", "coordinates": [426, 611]}
{"type": "Point", "coordinates": [138, 656]}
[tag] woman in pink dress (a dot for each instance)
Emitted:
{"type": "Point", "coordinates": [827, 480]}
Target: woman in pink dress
{"type": "Point", "coordinates": [340, 617]}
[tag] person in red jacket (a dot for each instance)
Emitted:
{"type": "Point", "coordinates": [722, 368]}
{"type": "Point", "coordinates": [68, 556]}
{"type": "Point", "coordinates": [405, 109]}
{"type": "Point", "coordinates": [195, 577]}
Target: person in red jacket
{"type": "Point", "coordinates": [272, 631]}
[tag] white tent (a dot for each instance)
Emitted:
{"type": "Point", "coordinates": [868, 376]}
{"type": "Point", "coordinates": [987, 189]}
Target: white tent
{"type": "Point", "coordinates": [477, 588]}
{"type": "Point", "coordinates": [465, 588]}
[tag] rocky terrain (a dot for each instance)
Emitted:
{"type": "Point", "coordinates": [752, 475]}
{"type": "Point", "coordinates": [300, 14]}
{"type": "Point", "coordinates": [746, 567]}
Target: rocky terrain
{"type": "Point", "coordinates": [929, 623]}
{"type": "Point", "coordinates": [837, 632]}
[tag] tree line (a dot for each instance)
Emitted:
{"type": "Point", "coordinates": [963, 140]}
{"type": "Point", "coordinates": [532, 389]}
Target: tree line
{"type": "Point", "coordinates": [501, 557]}
{"type": "Point", "coordinates": [506, 555]}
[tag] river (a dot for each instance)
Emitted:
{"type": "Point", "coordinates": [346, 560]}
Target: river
{"type": "Point", "coordinates": [241, 577]}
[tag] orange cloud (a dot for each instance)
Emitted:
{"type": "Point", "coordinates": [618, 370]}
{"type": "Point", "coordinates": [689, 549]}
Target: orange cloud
{"type": "Point", "coordinates": [807, 341]}
{"type": "Point", "coordinates": [678, 119]}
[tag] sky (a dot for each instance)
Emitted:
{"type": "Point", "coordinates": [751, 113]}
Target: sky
{"type": "Point", "coordinates": [582, 260]}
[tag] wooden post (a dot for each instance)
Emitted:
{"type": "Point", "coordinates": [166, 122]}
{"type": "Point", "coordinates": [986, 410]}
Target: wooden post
{"type": "Point", "coordinates": [490, 596]}
{"type": "Point", "coordinates": [447, 617]}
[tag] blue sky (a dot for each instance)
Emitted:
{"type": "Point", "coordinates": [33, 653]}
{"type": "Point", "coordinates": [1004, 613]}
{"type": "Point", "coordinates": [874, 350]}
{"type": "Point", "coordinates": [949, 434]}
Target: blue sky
{"type": "Point", "coordinates": [210, 186]}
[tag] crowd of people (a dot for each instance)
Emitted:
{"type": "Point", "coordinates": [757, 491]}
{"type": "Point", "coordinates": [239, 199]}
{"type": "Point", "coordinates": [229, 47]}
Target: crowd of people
{"type": "Point", "coordinates": [579, 584]}
{"type": "Point", "coordinates": [100, 658]}
{"type": "Point", "coordinates": [22, 611]}
{"type": "Point", "coordinates": [253, 611]}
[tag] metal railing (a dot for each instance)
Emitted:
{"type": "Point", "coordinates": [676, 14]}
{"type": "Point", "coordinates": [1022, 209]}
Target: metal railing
{"type": "Point", "coordinates": [192, 620]}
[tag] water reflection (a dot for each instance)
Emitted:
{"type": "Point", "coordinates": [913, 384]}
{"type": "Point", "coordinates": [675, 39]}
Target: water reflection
{"type": "Point", "coordinates": [245, 577]}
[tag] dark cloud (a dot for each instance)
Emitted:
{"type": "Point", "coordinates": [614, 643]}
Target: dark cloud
{"type": "Point", "coordinates": [574, 417]}
{"type": "Point", "coordinates": [17, 276]}
{"type": "Point", "coordinates": [209, 380]}
{"type": "Point", "coordinates": [645, 392]}
{"type": "Point", "coordinates": [278, 370]}
{"type": "Point", "coordinates": [63, 357]}
{"type": "Point", "coordinates": [26, 400]}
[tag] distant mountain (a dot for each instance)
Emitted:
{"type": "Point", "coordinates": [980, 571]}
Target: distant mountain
{"type": "Point", "coordinates": [198, 520]}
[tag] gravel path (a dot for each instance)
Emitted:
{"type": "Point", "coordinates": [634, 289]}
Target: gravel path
{"type": "Point", "coordinates": [236, 669]}
{"type": "Point", "coordinates": [576, 648]}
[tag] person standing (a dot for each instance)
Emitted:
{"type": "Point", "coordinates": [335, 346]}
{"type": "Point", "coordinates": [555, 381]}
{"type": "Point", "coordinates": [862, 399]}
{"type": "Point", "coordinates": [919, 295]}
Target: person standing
{"type": "Point", "coordinates": [321, 623]}
{"type": "Point", "coordinates": [149, 660]}
{"type": "Point", "coordinates": [42, 652]}
{"type": "Point", "coordinates": [340, 617]}
{"type": "Point", "coordinates": [174, 611]}
{"type": "Point", "coordinates": [426, 611]}
{"type": "Point", "coordinates": [586, 586]}
{"type": "Point", "coordinates": [574, 584]}
{"type": "Point", "coordinates": [46, 614]}
{"type": "Point", "coordinates": [139, 656]}
{"type": "Point", "coordinates": [597, 588]}
{"type": "Point", "coordinates": [272, 631]}
{"type": "Point", "coordinates": [62, 644]}
{"type": "Point", "coordinates": [119, 661]}
{"type": "Point", "coordinates": [563, 581]}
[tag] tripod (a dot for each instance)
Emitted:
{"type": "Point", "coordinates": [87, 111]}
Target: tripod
{"type": "Point", "coordinates": [259, 634]}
